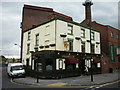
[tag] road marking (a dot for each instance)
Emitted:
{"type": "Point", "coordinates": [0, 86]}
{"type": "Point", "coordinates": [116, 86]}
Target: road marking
{"type": "Point", "coordinates": [57, 84]}
{"type": "Point", "coordinates": [62, 84]}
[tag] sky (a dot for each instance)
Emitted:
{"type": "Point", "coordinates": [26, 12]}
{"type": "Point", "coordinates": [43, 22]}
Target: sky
{"type": "Point", "coordinates": [103, 11]}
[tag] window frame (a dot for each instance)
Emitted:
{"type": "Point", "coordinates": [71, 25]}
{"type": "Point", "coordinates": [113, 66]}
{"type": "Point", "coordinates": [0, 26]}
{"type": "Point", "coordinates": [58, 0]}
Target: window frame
{"type": "Point", "coordinates": [70, 30]}
{"type": "Point", "coordinates": [28, 48]}
{"type": "Point", "coordinates": [70, 46]}
{"type": "Point", "coordinates": [112, 34]}
{"type": "Point", "coordinates": [37, 39]}
{"type": "Point", "coordinates": [82, 33]}
{"type": "Point", "coordinates": [92, 35]}
{"type": "Point", "coordinates": [83, 43]}
{"type": "Point", "coordinates": [93, 49]}
{"type": "Point", "coordinates": [29, 35]}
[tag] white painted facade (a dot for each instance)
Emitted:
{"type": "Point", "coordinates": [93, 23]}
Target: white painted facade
{"type": "Point", "coordinates": [50, 33]}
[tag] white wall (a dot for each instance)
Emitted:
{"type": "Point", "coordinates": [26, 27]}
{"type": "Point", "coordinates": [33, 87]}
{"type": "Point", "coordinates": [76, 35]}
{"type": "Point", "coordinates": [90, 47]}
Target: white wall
{"type": "Point", "coordinates": [46, 32]}
{"type": "Point", "coordinates": [62, 29]}
{"type": "Point", "coordinates": [48, 35]}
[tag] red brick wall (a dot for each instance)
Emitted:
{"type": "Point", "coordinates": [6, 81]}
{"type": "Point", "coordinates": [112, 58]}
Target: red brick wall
{"type": "Point", "coordinates": [104, 36]}
{"type": "Point", "coordinates": [33, 15]}
{"type": "Point", "coordinates": [106, 41]}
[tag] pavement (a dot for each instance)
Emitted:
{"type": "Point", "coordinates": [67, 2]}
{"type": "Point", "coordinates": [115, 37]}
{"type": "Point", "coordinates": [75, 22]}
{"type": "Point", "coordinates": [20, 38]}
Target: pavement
{"type": "Point", "coordinates": [81, 81]}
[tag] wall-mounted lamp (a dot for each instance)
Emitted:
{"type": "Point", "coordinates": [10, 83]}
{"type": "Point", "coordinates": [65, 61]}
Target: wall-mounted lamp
{"type": "Point", "coordinates": [63, 35]}
{"type": "Point", "coordinates": [31, 51]}
{"type": "Point", "coordinates": [78, 38]}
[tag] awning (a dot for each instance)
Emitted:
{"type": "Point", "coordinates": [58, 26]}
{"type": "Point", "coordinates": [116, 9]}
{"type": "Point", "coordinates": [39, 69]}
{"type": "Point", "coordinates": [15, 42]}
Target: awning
{"type": "Point", "coordinates": [72, 61]}
{"type": "Point", "coordinates": [96, 61]}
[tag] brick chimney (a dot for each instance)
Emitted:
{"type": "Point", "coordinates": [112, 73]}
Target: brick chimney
{"type": "Point", "coordinates": [88, 17]}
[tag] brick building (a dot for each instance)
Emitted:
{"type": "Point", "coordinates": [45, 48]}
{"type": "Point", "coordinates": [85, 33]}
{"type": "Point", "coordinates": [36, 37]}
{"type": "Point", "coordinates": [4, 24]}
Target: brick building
{"type": "Point", "coordinates": [110, 37]}
{"type": "Point", "coordinates": [33, 16]}
{"type": "Point", "coordinates": [55, 44]}
{"type": "Point", "coordinates": [110, 42]}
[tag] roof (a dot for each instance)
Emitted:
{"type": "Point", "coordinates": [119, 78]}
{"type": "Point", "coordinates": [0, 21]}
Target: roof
{"type": "Point", "coordinates": [66, 20]}
{"type": "Point", "coordinates": [38, 8]}
{"type": "Point", "coordinates": [48, 10]}
{"type": "Point", "coordinates": [85, 22]}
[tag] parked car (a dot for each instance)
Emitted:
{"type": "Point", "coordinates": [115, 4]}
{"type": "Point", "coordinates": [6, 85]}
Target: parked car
{"type": "Point", "coordinates": [15, 70]}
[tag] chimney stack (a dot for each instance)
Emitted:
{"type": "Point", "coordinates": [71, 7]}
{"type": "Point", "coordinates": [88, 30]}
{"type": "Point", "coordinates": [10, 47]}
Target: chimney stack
{"type": "Point", "coordinates": [88, 17]}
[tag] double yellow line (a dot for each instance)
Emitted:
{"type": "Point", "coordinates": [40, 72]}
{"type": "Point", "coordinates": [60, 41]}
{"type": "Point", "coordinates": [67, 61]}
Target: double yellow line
{"type": "Point", "coordinates": [67, 85]}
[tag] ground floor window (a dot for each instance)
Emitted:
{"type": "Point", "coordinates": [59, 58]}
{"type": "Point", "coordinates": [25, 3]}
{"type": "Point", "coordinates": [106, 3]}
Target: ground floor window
{"type": "Point", "coordinates": [71, 66]}
{"type": "Point", "coordinates": [49, 64]}
{"type": "Point", "coordinates": [38, 65]}
{"type": "Point", "coordinates": [27, 62]}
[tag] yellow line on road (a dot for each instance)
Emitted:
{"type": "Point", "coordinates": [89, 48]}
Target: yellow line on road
{"type": "Point", "coordinates": [57, 84]}
{"type": "Point", "coordinates": [62, 84]}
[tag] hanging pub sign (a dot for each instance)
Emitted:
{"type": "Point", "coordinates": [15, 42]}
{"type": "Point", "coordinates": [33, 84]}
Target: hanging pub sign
{"type": "Point", "coordinates": [66, 45]}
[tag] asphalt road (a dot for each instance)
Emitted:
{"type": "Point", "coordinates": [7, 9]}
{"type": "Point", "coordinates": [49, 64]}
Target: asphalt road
{"type": "Point", "coordinates": [6, 81]}
{"type": "Point", "coordinates": [8, 85]}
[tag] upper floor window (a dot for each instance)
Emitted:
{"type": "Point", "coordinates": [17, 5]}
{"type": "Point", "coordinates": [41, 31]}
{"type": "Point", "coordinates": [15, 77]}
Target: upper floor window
{"type": "Point", "coordinates": [117, 36]}
{"type": "Point", "coordinates": [83, 47]}
{"type": "Point", "coordinates": [28, 48]}
{"type": "Point", "coordinates": [29, 35]}
{"type": "Point", "coordinates": [93, 48]}
{"type": "Point", "coordinates": [37, 40]}
{"type": "Point", "coordinates": [112, 35]}
{"type": "Point", "coordinates": [70, 29]}
{"type": "Point", "coordinates": [36, 49]}
{"type": "Point", "coordinates": [83, 33]}
{"type": "Point", "coordinates": [70, 45]}
{"type": "Point", "coordinates": [92, 36]}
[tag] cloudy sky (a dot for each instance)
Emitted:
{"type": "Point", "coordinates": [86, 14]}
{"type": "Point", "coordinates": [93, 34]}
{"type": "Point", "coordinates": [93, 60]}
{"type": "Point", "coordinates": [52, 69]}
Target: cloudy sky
{"type": "Point", "coordinates": [104, 12]}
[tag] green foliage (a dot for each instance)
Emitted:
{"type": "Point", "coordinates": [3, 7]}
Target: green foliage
{"type": "Point", "coordinates": [2, 58]}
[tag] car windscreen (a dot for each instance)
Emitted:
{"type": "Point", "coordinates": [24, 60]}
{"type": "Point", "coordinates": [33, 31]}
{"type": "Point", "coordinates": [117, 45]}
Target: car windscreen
{"type": "Point", "coordinates": [20, 67]}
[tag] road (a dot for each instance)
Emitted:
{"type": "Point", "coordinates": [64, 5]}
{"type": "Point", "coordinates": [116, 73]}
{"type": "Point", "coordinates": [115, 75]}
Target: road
{"type": "Point", "coordinates": [8, 85]}
{"type": "Point", "coordinates": [6, 81]}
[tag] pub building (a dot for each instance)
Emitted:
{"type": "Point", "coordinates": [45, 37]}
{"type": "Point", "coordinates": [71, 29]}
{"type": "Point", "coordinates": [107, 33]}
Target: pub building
{"type": "Point", "coordinates": [60, 48]}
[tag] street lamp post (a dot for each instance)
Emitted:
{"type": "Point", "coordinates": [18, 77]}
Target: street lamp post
{"type": "Point", "coordinates": [19, 47]}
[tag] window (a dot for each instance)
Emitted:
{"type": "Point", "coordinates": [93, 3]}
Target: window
{"type": "Point", "coordinates": [70, 29]}
{"type": "Point", "coordinates": [27, 62]}
{"type": "Point", "coordinates": [29, 35]}
{"type": "Point", "coordinates": [112, 35]}
{"type": "Point", "coordinates": [117, 36]}
{"type": "Point", "coordinates": [118, 50]}
{"type": "Point", "coordinates": [49, 64]}
{"type": "Point", "coordinates": [92, 36]}
{"type": "Point", "coordinates": [36, 49]}
{"type": "Point", "coordinates": [38, 64]}
{"type": "Point", "coordinates": [83, 47]}
{"type": "Point", "coordinates": [37, 40]}
{"type": "Point", "coordinates": [83, 33]}
{"type": "Point", "coordinates": [28, 48]}
{"type": "Point", "coordinates": [112, 55]}
{"type": "Point", "coordinates": [70, 45]}
{"type": "Point", "coordinates": [71, 66]}
{"type": "Point", "coordinates": [93, 48]}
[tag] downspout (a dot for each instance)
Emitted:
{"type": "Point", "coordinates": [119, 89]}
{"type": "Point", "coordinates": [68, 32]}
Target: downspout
{"type": "Point", "coordinates": [55, 33]}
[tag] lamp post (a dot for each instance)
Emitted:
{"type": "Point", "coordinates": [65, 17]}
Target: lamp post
{"type": "Point", "coordinates": [19, 47]}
